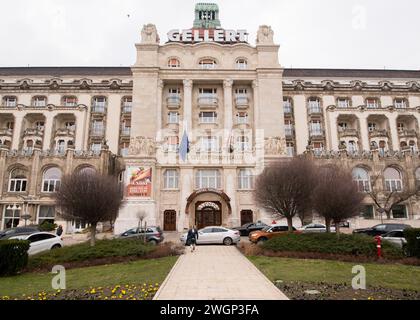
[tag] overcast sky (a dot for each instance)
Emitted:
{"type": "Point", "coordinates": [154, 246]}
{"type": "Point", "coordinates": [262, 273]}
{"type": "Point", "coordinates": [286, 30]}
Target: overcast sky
{"type": "Point", "coordinates": [312, 33]}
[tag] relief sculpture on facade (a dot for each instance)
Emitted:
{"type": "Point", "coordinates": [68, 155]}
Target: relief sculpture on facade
{"type": "Point", "coordinates": [275, 146]}
{"type": "Point", "coordinates": [141, 146]}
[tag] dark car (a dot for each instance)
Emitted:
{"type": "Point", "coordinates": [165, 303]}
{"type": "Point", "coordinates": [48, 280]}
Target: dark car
{"type": "Point", "coordinates": [247, 228]}
{"type": "Point", "coordinates": [6, 234]}
{"type": "Point", "coordinates": [154, 235]}
{"type": "Point", "coordinates": [381, 229]}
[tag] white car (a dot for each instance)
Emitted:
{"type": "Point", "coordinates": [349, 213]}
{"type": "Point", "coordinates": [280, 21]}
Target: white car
{"type": "Point", "coordinates": [215, 235]}
{"type": "Point", "coordinates": [396, 237]}
{"type": "Point", "coordinates": [315, 228]}
{"type": "Point", "coordinates": [41, 241]}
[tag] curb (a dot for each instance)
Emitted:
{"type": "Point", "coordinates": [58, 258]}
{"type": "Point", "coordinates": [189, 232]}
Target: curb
{"type": "Point", "coordinates": [156, 297]}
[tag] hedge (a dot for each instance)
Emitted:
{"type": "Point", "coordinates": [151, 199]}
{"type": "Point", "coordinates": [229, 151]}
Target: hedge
{"type": "Point", "coordinates": [330, 243]}
{"type": "Point", "coordinates": [413, 242]}
{"type": "Point", "coordinates": [13, 256]}
{"type": "Point", "coordinates": [84, 252]}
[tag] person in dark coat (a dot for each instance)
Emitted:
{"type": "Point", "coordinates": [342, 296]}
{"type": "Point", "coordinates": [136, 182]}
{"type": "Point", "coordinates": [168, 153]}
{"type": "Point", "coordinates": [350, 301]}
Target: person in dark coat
{"type": "Point", "coordinates": [59, 230]}
{"type": "Point", "coordinates": [192, 238]}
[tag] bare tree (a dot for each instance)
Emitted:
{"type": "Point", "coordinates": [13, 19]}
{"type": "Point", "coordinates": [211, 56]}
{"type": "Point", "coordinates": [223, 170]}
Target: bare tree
{"type": "Point", "coordinates": [386, 200]}
{"type": "Point", "coordinates": [336, 197]}
{"type": "Point", "coordinates": [90, 198]}
{"type": "Point", "coordinates": [284, 188]}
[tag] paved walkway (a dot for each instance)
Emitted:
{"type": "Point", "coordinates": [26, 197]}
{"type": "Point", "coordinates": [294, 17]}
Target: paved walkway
{"type": "Point", "coordinates": [216, 273]}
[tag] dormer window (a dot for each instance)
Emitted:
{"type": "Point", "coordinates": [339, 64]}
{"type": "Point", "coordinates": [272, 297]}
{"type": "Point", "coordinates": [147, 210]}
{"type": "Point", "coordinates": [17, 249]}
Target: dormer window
{"type": "Point", "coordinates": [241, 64]}
{"type": "Point", "coordinates": [174, 63]}
{"type": "Point", "coordinates": [208, 64]}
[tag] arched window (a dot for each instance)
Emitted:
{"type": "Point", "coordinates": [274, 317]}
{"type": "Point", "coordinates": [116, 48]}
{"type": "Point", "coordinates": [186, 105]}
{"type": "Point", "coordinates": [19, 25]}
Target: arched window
{"type": "Point", "coordinates": [170, 179]}
{"type": "Point", "coordinates": [393, 180]}
{"type": "Point", "coordinates": [18, 180]}
{"type": "Point", "coordinates": [241, 64]}
{"type": "Point", "coordinates": [174, 63]}
{"type": "Point", "coordinates": [51, 180]}
{"type": "Point", "coordinates": [87, 171]}
{"type": "Point", "coordinates": [208, 63]}
{"type": "Point", "coordinates": [362, 179]}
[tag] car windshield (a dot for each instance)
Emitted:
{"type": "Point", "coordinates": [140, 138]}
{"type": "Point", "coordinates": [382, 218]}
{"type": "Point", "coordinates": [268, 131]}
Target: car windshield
{"type": "Point", "coordinates": [266, 228]}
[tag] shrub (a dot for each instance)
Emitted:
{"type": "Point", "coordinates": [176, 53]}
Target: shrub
{"type": "Point", "coordinates": [13, 256]}
{"type": "Point", "coordinates": [356, 245]}
{"type": "Point", "coordinates": [84, 252]}
{"type": "Point", "coordinates": [413, 242]}
{"type": "Point", "coordinates": [47, 226]}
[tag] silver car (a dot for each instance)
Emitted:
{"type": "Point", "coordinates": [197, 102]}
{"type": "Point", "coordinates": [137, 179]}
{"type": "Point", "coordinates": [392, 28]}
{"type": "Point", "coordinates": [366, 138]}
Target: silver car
{"type": "Point", "coordinates": [396, 237]}
{"type": "Point", "coordinates": [315, 228]}
{"type": "Point", "coordinates": [215, 235]}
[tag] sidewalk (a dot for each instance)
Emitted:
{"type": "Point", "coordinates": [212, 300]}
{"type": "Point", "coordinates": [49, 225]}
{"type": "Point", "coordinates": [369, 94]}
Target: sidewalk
{"type": "Point", "coordinates": [216, 273]}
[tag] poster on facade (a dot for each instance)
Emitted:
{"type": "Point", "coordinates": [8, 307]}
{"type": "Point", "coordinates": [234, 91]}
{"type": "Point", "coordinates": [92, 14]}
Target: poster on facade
{"type": "Point", "coordinates": [139, 182]}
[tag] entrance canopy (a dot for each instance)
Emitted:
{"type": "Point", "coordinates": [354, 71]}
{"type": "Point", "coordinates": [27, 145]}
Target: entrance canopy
{"type": "Point", "coordinates": [221, 194]}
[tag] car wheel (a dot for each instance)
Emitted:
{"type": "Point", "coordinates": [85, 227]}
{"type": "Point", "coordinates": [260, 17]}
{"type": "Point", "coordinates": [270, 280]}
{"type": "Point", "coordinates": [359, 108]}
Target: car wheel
{"type": "Point", "coordinates": [227, 241]}
{"type": "Point", "coordinates": [153, 242]}
{"type": "Point", "coordinates": [56, 246]}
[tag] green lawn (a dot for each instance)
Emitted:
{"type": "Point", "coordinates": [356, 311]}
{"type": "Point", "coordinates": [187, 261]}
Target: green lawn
{"type": "Point", "coordinates": [377, 275]}
{"type": "Point", "coordinates": [143, 271]}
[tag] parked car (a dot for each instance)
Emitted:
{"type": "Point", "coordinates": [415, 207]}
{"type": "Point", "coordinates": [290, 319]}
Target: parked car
{"type": "Point", "coordinates": [41, 241]}
{"type": "Point", "coordinates": [381, 229]}
{"type": "Point", "coordinates": [247, 228]}
{"type": "Point", "coordinates": [396, 237]}
{"type": "Point", "coordinates": [315, 228]}
{"type": "Point", "coordinates": [6, 234]}
{"type": "Point", "coordinates": [154, 235]}
{"type": "Point", "coordinates": [270, 232]}
{"type": "Point", "coordinates": [215, 235]}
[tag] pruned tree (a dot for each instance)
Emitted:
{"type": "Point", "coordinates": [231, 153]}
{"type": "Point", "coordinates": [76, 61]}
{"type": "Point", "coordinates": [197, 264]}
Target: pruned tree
{"type": "Point", "coordinates": [284, 188]}
{"type": "Point", "coordinates": [387, 200]}
{"type": "Point", "coordinates": [89, 197]}
{"type": "Point", "coordinates": [336, 197]}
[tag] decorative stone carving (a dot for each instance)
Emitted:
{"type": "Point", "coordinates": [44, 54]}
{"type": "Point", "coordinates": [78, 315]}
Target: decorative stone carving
{"type": "Point", "coordinates": [149, 34]}
{"type": "Point", "coordinates": [142, 146]}
{"type": "Point", "coordinates": [275, 146]}
{"type": "Point", "coordinates": [265, 35]}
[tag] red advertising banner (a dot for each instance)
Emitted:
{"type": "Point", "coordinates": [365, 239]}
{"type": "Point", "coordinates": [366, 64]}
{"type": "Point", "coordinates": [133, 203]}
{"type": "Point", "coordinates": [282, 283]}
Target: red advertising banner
{"type": "Point", "coordinates": [139, 182]}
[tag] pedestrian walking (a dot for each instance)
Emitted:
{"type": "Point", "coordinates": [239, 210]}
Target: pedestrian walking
{"type": "Point", "coordinates": [59, 231]}
{"type": "Point", "coordinates": [192, 238]}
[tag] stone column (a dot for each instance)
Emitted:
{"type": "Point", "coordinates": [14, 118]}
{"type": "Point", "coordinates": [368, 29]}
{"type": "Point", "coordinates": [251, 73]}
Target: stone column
{"type": "Point", "coordinates": [228, 99]}
{"type": "Point", "coordinates": [256, 105]}
{"type": "Point", "coordinates": [3, 154]}
{"type": "Point", "coordinates": [80, 129]}
{"type": "Point", "coordinates": [159, 110]}
{"type": "Point", "coordinates": [48, 127]}
{"type": "Point", "coordinates": [33, 182]}
{"type": "Point", "coordinates": [188, 85]}
{"type": "Point", "coordinates": [392, 121]}
{"type": "Point", "coordinates": [364, 134]}
{"type": "Point", "coordinates": [333, 131]}
{"type": "Point", "coordinates": [186, 183]}
{"type": "Point", "coordinates": [17, 131]}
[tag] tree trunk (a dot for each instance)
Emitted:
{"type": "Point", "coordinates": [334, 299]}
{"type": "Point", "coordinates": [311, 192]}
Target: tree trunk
{"type": "Point", "coordinates": [328, 224]}
{"type": "Point", "coordinates": [388, 214]}
{"type": "Point", "coordinates": [337, 229]}
{"type": "Point", "coordinates": [290, 223]}
{"type": "Point", "coordinates": [92, 234]}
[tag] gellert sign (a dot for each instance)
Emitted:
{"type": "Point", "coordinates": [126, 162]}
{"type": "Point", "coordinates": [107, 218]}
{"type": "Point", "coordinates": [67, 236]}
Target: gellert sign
{"type": "Point", "coordinates": [208, 35]}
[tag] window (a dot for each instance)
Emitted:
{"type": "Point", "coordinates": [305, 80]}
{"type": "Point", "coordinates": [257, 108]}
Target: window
{"type": "Point", "coordinates": [208, 179]}
{"type": "Point", "coordinates": [208, 64]}
{"type": "Point", "coordinates": [367, 212]}
{"type": "Point", "coordinates": [372, 103]}
{"type": "Point", "coordinates": [170, 179]}
{"type": "Point", "coordinates": [98, 128]}
{"type": "Point", "coordinates": [242, 118]}
{"type": "Point", "coordinates": [245, 179]}
{"type": "Point", "coordinates": [87, 171]}
{"type": "Point", "coordinates": [40, 101]}
{"type": "Point", "coordinates": [208, 117]}
{"type": "Point", "coordinates": [287, 105]}
{"type": "Point", "coordinates": [314, 105]}
{"type": "Point", "coordinates": [352, 147]}
{"type": "Point", "coordinates": [18, 180]}
{"type": "Point", "coordinates": [70, 101]}
{"type": "Point", "coordinates": [362, 179]}
{"type": "Point", "coordinates": [96, 147]}
{"type": "Point", "coordinates": [371, 126]}
{"type": "Point", "coordinates": [399, 212]}
{"type": "Point", "coordinates": [10, 102]}
{"type": "Point", "coordinates": [51, 180]}
{"type": "Point", "coordinates": [318, 147]}
{"type": "Point", "coordinates": [126, 128]}
{"type": "Point", "coordinates": [172, 143]}
{"type": "Point", "coordinates": [127, 103]}
{"type": "Point", "coordinates": [209, 144]}
{"type": "Point", "coordinates": [400, 103]}
{"type": "Point", "coordinates": [124, 147]}
{"type": "Point", "coordinates": [173, 117]}
{"type": "Point", "coordinates": [46, 213]}
{"type": "Point", "coordinates": [61, 146]}
{"type": "Point", "coordinates": [393, 180]}
{"type": "Point", "coordinates": [241, 64]}
{"type": "Point", "coordinates": [11, 216]}
{"type": "Point", "coordinates": [288, 127]}
{"type": "Point", "coordinates": [343, 103]}
{"type": "Point", "coordinates": [174, 63]}
{"type": "Point", "coordinates": [207, 96]}
{"type": "Point", "coordinates": [242, 143]}
{"type": "Point", "coordinates": [99, 104]}
{"type": "Point", "coordinates": [316, 128]}
{"type": "Point", "coordinates": [290, 149]}
{"type": "Point", "coordinates": [401, 126]}
{"type": "Point", "coordinates": [342, 126]}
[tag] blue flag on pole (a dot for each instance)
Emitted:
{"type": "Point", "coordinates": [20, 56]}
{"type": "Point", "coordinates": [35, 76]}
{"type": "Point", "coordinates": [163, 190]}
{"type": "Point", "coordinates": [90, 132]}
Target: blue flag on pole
{"type": "Point", "coordinates": [184, 148]}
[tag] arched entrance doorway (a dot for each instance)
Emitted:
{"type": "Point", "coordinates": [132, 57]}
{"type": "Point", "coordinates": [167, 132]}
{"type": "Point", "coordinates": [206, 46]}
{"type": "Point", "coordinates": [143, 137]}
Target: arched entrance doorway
{"type": "Point", "coordinates": [208, 214]}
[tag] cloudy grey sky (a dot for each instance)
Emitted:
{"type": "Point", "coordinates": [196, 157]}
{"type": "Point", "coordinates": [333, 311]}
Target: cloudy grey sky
{"type": "Point", "coordinates": [312, 33]}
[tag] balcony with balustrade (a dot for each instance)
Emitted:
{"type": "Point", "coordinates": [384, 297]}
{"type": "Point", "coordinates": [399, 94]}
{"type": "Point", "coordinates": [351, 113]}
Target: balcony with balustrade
{"type": "Point", "coordinates": [173, 102]}
{"type": "Point", "coordinates": [208, 101]}
{"type": "Point", "coordinates": [348, 133]}
{"type": "Point", "coordinates": [241, 102]}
